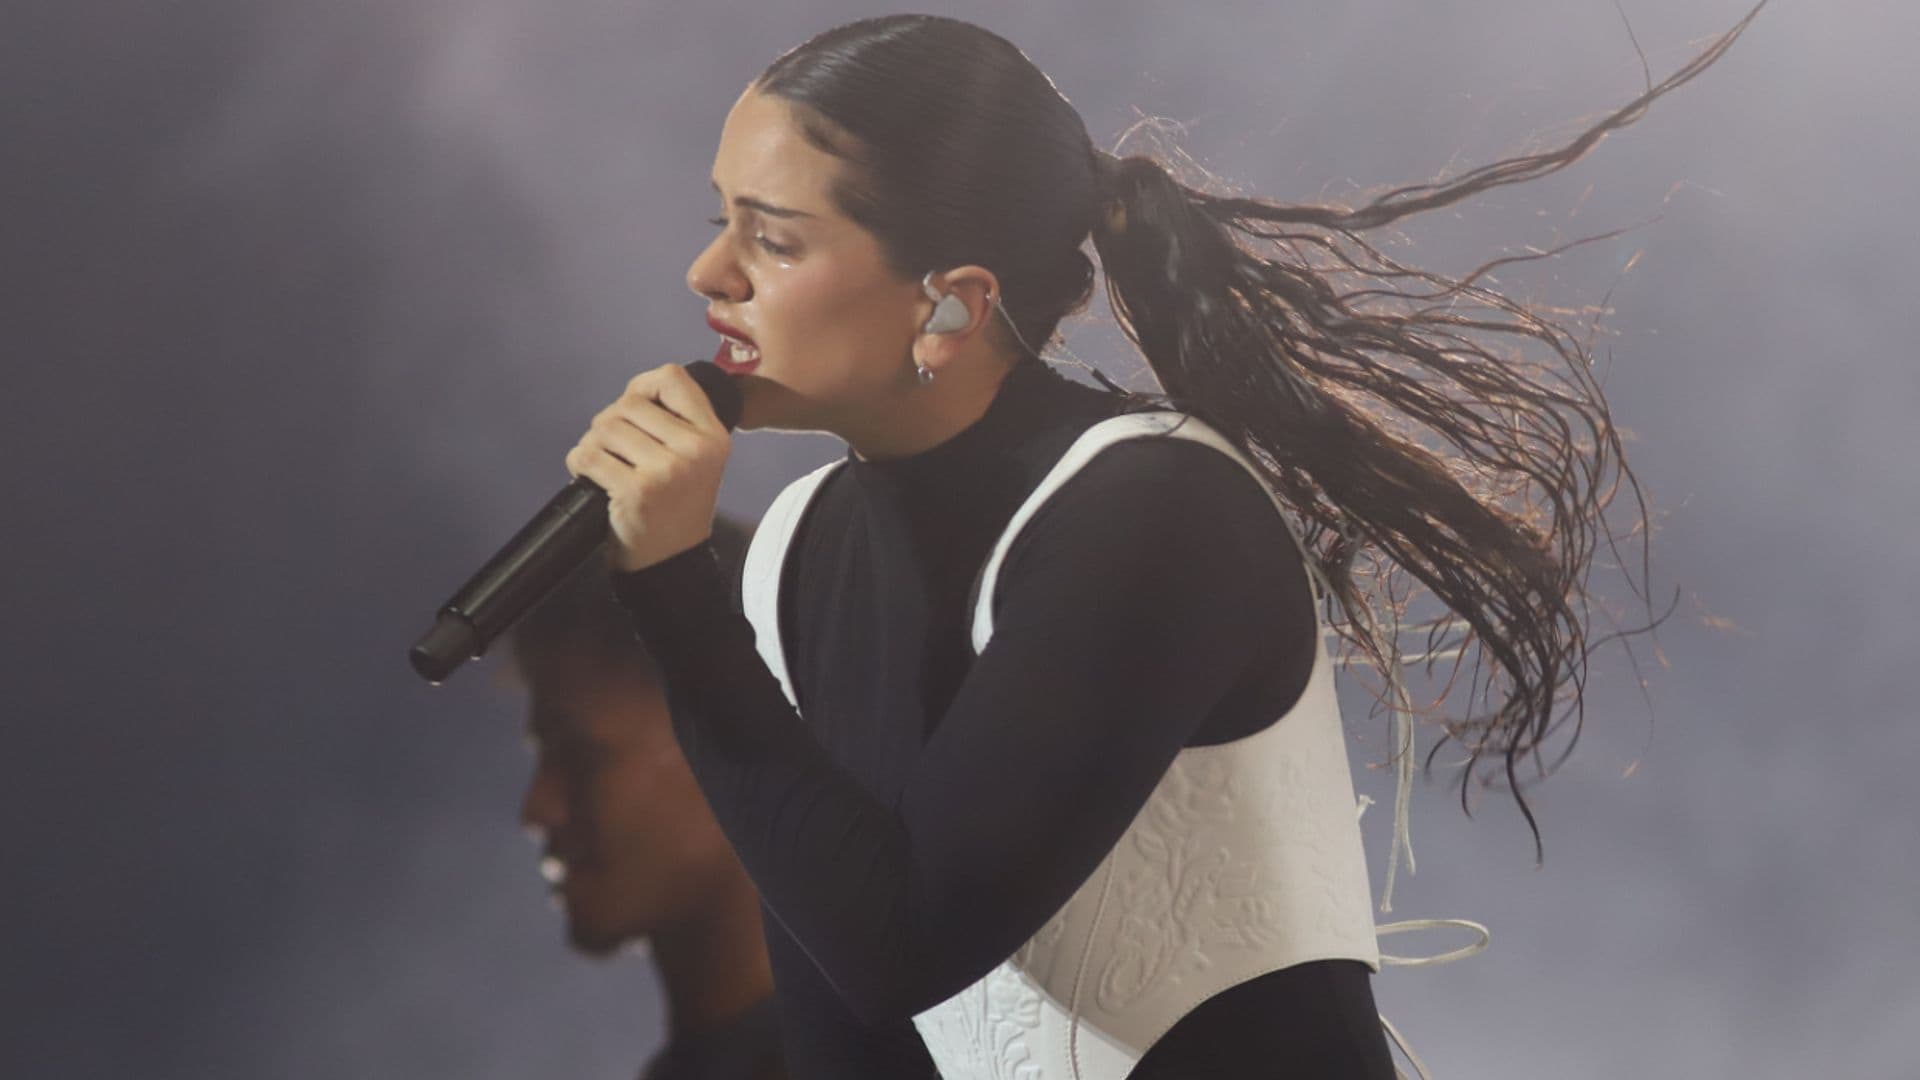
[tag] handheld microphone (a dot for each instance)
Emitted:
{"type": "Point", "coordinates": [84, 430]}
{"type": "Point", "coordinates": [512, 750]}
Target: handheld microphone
{"type": "Point", "coordinates": [540, 556]}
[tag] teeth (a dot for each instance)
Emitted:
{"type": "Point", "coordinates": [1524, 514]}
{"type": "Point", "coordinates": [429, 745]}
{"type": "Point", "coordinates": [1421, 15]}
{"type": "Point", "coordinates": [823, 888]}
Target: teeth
{"type": "Point", "coordinates": [742, 352]}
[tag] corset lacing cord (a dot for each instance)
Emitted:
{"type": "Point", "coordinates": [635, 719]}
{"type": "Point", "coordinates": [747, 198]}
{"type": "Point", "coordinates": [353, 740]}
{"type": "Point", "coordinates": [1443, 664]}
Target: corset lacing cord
{"type": "Point", "coordinates": [1400, 704]}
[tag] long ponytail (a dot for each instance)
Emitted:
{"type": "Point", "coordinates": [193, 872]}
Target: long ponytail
{"type": "Point", "coordinates": [1399, 412]}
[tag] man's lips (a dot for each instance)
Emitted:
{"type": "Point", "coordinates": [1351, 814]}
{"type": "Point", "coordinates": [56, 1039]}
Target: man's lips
{"type": "Point", "coordinates": [558, 862]}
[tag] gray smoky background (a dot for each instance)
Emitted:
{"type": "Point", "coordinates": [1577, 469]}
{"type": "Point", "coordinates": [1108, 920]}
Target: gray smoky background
{"type": "Point", "coordinates": [304, 302]}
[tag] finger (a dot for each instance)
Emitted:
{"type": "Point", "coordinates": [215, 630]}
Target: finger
{"type": "Point", "coordinates": [598, 465]}
{"type": "Point", "coordinates": [660, 424]}
{"type": "Point", "coordinates": [676, 391]}
{"type": "Point", "coordinates": [617, 432]}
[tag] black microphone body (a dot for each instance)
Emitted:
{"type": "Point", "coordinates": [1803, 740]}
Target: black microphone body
{"type": "Point", "coordinates": [547, 548]}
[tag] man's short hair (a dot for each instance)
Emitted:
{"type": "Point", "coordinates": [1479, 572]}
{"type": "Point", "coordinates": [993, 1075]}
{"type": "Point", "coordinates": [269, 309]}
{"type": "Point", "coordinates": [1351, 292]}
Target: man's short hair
{"type": "Point", "coordinates": [582, 618]}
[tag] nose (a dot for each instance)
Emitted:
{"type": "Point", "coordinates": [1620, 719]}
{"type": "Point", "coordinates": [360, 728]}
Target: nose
{"type": "Point", "coordinates": [544, 806]}
{"type": "Point", "coordinates": [716, 275]}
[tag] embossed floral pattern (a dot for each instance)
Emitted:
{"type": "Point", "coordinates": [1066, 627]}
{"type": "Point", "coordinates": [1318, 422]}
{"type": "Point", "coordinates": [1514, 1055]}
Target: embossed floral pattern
{"type": "Point", "coordinates": [1193, 896]}
{"type": "Point", "coordinates": [982, 1033]}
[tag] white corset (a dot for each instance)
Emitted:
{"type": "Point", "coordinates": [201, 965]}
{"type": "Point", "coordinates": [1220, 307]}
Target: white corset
{"type": "Point", "coordinates": [1245, 859]}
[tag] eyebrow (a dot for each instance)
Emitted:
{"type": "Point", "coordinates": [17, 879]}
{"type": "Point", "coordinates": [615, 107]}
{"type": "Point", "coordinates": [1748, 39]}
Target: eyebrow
{"type": "Point", "coordinates": [766, 208]}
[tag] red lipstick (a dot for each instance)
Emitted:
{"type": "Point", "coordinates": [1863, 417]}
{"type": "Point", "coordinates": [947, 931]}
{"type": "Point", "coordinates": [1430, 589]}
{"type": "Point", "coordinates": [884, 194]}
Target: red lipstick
{"type": "Point", "coordinates": [723, 356]}
{"type": "Point", "coordinates": [725, 330]}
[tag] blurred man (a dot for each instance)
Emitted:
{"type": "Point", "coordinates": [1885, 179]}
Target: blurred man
{"type": "Point", "coordinates": [630, 848]}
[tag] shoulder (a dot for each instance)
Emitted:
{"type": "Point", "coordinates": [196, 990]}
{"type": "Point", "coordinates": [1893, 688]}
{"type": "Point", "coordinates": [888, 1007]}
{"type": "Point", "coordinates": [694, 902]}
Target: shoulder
{"type": "Point", "coordinates": [1144, 462]}
{"type": "Point", "coordinates": [1155, 528]}
{"type": "Point", "coordinates": [766, 550]}
{"type": "Point", "coordinates": [784, 513]}
{"type": "Point", "coordinates": [1155, 493]}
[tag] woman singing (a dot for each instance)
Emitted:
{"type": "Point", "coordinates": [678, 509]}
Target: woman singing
{"type": "Point", "coordinates": [1027, 734]}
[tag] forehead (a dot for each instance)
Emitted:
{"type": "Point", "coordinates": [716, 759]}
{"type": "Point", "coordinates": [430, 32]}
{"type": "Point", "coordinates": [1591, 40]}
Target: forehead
{"type": "Point", "coordinates": [764, 154]}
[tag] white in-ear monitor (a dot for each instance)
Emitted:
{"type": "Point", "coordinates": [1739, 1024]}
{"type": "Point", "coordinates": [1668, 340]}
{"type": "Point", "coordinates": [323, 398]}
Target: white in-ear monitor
{"type": "Point", "coordinates": [949, 311]}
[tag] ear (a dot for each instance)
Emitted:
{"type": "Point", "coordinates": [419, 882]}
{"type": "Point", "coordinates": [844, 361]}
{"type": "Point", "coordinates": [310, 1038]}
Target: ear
{"type": "Point", "coordinates": [974, 286]}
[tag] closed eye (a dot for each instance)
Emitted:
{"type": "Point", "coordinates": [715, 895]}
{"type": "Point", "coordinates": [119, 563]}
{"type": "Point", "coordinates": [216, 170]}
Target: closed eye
{"type": "Point", "coordinates": [759, 238]}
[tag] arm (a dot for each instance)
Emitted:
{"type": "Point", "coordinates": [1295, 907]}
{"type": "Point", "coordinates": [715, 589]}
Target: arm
{"type": "Point", "coordinates": [1150, 587]}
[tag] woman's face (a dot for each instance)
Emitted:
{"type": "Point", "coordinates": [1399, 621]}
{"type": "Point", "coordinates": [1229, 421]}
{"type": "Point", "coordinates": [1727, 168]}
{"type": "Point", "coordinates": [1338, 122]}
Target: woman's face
{"type": "Point", "coordinates": [814, 324]}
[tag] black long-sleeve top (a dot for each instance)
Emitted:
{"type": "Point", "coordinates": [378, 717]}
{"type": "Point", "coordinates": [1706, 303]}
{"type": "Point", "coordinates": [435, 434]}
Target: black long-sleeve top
{"type": "Point", "coordinates": [925, 811]}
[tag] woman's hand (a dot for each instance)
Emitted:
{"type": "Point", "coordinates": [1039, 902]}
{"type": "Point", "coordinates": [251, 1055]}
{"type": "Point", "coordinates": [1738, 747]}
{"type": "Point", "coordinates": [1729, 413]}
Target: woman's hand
{"type": "Point", "coordinates": [659, 451]}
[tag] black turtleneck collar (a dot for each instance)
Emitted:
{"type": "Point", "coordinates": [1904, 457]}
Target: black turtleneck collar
{"type": "Point", "coordinates": [1031, 399]}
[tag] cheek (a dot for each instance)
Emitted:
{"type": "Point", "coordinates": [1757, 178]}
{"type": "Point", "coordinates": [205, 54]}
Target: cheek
{"type": "Point", "coordinates": [830, 313]}
{"type": "Point", "coordinates": [653, 805]}
{"type": "Point", "coordinates": [682, 828]}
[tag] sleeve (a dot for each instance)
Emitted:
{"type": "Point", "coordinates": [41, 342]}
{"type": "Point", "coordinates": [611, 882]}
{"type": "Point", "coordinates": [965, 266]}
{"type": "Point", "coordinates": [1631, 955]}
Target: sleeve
{"type": "Point", "coordinates": [1153, 584]}
{"type": "Point", "coordinates": [823, 1038]}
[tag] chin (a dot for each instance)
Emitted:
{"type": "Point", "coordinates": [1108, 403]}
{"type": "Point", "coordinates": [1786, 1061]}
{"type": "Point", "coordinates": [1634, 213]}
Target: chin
{"type": "Point", "coordinates": [594, 941]}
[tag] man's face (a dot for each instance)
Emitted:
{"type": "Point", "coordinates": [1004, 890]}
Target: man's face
{"type": "Point", "coordinates": [630, 846]}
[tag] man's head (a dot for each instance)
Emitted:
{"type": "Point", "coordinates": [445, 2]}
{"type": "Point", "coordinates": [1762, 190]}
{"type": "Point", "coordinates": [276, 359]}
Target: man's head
{"type": "Point", "coordinates": [630, 846]}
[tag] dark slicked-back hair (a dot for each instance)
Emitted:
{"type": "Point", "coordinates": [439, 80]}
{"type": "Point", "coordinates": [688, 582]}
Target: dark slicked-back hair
{"type": "Point", "coordinates": [964, 153]}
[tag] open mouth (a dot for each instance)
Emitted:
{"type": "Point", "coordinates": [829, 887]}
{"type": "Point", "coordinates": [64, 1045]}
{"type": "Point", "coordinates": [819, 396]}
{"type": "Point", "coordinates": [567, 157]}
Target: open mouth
{"type": "Point", "coordinates": [737, 354]}
{"type": "Point", "coordinates": [736, 357]}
